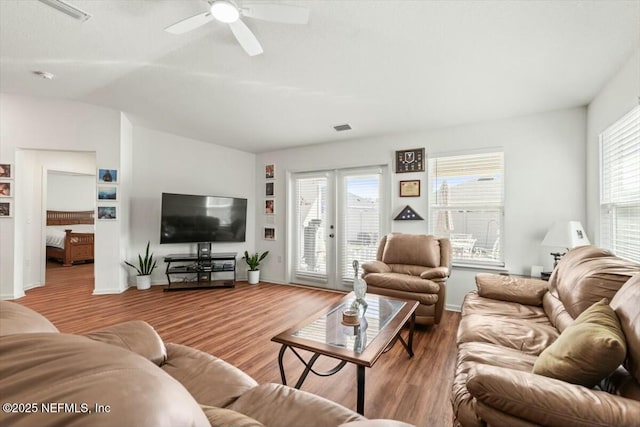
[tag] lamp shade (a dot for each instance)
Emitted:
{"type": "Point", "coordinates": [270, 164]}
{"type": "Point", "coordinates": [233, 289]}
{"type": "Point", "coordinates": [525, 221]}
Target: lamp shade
{"type": "Point", "coordinates": [566, 234]}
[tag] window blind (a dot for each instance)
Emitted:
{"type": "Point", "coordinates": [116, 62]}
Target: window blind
{"type": "Point", "coordinates": [466, 204]}
{"type": "Point", "coordinates": [620, 187]}
{"type": "Point", "coordinates": [361, 219]}
{"type": "Point", "coordinates": [311, 201]}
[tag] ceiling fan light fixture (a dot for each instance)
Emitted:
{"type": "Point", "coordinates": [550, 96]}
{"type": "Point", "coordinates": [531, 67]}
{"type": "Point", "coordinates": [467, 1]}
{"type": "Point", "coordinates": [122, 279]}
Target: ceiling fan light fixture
{"type": "Point", "coordinates": [225, 11]}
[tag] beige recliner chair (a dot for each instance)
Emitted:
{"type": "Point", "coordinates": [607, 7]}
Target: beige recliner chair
{"type": "Point", "coordinates": [412, 266]}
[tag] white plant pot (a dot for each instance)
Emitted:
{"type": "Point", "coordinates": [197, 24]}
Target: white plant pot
{"type": "Point", "coordinates": [253, 277]}
{"type": "Point", "coordinates": [143, 282]}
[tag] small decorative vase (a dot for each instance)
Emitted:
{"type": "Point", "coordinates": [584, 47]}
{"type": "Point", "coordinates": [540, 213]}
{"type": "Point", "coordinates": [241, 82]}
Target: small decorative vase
{"type": "Point", "coordinates": [359, 287]}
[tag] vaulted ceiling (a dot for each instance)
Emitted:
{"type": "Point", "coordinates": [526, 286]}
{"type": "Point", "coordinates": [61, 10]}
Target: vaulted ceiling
{"type": "Point", "coordinates": [383, 66]}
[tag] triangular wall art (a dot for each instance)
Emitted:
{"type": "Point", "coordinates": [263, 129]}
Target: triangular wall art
{"type": "Point", "coordinates": [408, 214]}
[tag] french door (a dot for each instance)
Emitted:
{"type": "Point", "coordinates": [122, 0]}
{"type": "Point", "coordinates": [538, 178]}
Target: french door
{"type": "Point", "coordinates": [337, 218]}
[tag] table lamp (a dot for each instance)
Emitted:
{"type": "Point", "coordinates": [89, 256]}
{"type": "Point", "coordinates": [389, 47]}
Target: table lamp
{"type": "Point", "coordinates": [566, 234]}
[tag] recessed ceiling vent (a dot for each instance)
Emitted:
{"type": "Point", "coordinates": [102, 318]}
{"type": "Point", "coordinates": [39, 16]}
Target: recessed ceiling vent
{"type": "Point", "coordinates": [67, 9]}
{"type": "Point", "coordinates": [343, 127]}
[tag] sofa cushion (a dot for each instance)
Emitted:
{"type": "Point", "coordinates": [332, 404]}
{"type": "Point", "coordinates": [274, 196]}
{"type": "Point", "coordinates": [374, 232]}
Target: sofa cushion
{"type": "Point", "coordinates": [588, 350]}
{"type": "Point", "coordinates": [402, 282]}
{"type": "Point", "coordinates": [18, 319]}
{"type": "Point", "coordinates": [135, 335]}
{"type": "Point", "coordinates": [70, 369]}
{"type": "Point", "coordinates": [275, 405]}
{"type": "Point", "coordinates": [587, 274]}
{"type": "Point", "coordinates": [625, 304]}
{"type": "Point", "coordinates": [475, 304]}
{"type": "Point", "coordinates": [221, 417]}
{"type": "Point", "coordinates": [412, 249]}
{"type": "Point", "coordinates": [211, 381]}
{"type": "Point", "coordinates": [514, 289]}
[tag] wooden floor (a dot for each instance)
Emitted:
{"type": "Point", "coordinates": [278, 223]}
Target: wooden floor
{"type": "Point", "coordinates": [237, 324]}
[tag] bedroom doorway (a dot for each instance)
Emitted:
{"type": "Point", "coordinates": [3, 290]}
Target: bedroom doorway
{"type": "Point", "coordinates": [69, 200]}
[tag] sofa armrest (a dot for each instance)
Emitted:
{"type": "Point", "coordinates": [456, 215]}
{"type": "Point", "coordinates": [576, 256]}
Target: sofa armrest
{"type": "Point", "coordinates": [221, 417]}
{"type": "Point", "coordinates": [435, 273]}
{"type": "Point", "coordinates": [513, 289]}
{"type": "Point", "coordinates": [136, 336]}
{"type": "Point", "coordinates": [375, 267]}
{"type": "Point", "coordinates": [547, 401]}
{"type": "Point", "coordinates": [376, 423]}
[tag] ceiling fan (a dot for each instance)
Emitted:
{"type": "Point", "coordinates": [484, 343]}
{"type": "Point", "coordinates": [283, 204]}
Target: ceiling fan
{"type": "Point", "coordinates": [229, 12]}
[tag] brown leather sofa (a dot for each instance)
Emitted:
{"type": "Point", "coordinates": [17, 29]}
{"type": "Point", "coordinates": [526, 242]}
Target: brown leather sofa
{"type": "Point", "coordinates": [508, 322]}
{"type": "Point", "coordinates": [412, 266]}
{"type": "Point", "coordinates": [125, 375]}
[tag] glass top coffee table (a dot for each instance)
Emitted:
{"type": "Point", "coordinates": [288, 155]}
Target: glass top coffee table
{"type": "Point", "coordinates": [324, 333]}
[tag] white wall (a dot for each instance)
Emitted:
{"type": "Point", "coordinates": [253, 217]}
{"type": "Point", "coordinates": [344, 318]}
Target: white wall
{"type": "Point", "coordinates": [544, 182]}
{"type": "Point", "coordinates": [169, 163]}
{"type": "Point", "coordinates": [619, 96]}
{"type": "Point", "coordinates": [28, 123]}
{"type": "Point", "coordinates": [71, 192]}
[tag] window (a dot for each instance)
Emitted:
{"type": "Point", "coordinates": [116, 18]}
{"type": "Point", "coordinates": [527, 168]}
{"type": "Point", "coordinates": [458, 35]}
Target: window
{"type": "Point", "coordinates": [620, 187]}
{"type": "Point", "coordinates": [466, 204]}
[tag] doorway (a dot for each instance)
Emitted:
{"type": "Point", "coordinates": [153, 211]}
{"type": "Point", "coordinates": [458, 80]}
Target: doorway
{"type": "Point", "coordinates": [337, 218]}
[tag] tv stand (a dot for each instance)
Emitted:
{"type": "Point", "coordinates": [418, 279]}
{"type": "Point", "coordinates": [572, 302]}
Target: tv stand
{"type": "Point", "coordinates": [188, 271]}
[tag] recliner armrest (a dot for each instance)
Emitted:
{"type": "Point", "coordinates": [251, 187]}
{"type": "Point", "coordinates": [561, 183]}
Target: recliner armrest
{"type": "Point", "coordinates": [435, 273]}
{"type": "Point", "coordinates": [137, 336]}
{"type": "Point", "coordinates": [375, 267]}
{"type": "Point", "coordinates": [547, 401]}
{"type": "Point", "coordinates": [509, 288]}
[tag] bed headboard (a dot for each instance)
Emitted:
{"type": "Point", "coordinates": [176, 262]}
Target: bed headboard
{"type": "Point", "coordinates": [69, 217]}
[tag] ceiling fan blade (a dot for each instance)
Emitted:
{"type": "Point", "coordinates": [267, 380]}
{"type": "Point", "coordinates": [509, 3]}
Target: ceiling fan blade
{"type": "Point", "coordinates": [276, 12]}
{"type": "Point", "coordinates": [190, 23]}
{"type": "Point", "coordinates": [245, 37]}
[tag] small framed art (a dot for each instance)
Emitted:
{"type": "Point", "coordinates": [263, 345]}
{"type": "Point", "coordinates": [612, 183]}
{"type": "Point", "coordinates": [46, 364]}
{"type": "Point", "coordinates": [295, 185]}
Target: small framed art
{"type": "Point", "coordinates": [269, 206]}
{"type": "Point", "coordinates": [268, 189]}
{"type": "Point", "coordinates": [270, 171]}
{"type": "Point", "coordinates": [269, 233]}
{"type": "Point", "coordinates": [6, 171]}
{"type": "Point", "coordinates": [108, 193]}
{"type": "Point", "coordinates": [5, 210]}
{"type": "Point", "coordinates": [108, 176]}
{"type": "Point", "coordinates": [410, 160]}
{"type": "Point", "coordinates": [107, 212]}
{"type": "Point", "coordinates": [410, 188]}
{"type": "Point", "coordinates": [6, 189]}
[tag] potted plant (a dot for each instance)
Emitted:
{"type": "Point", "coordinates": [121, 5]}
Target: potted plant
{"type": "Point", "coordinates": [253, 261]}
{"type": "Point", "coordinates": [145, 267]}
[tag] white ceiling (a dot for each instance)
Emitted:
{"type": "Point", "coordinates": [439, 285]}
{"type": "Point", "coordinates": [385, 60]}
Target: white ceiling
{"type": "Point", "coordinates": [385, 66]}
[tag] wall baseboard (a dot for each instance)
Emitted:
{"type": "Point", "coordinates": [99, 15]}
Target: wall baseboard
{"type": "Point", "coordinates": [108, 291]}
{"type": "Point", "coordinates": [453, 307]}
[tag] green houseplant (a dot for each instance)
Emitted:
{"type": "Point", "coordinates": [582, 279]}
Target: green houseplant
{"type": "Point", "coordinates": [253, 261]}
{"type": "Point", "coordinates": [144, 268]}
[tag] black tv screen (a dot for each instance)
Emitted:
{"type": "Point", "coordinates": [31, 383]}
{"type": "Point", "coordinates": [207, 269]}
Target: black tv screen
{"type": "Point", "coordinates": [190, 219]}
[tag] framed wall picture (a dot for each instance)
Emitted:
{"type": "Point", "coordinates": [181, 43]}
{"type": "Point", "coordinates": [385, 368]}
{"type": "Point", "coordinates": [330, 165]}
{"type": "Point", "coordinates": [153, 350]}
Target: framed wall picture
{"type": "Point", "coordinates": [107, 193]}
{"type": "Point", "coordinates": [6, 189]}
{"type": "Point", "coordinates": [410, 188]}
{"type": "Point", "coordinates": [107, 212]}
{"type": "Point", "coordinates": [270, 171]}
{"type": "Point", "coordinates": [269, 233]}
{"type": "Point", "coordinates": [108, 176]}
{"type": "Point", "coordinates": [410, 160]}
{"type": "Point", "coordinates": [268, 189]}
{"type": "Point", "coordinates": [6, 171]}
{"type": "Point", "coordinates": [5, 210]}
{"type": "Point", "coordinates": [269, 206]}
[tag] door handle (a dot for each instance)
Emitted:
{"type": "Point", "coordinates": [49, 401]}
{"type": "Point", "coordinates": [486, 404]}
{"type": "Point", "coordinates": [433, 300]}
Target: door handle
{"type": "Point", "coordinates": [332, 235]}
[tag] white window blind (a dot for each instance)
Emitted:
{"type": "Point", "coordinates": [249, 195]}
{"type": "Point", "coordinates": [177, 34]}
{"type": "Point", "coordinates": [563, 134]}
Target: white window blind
{"type": "Point", "coordinates": [311, 218]}
{"type": "Point", "coordinates": [620, 187]}
{"type": "Point", "coordinates": [466, 204]}
{"type": "Point", "coordinates": [361, 194]}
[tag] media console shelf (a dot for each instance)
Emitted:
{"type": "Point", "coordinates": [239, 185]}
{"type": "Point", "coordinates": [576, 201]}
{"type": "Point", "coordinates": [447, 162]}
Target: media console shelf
{"type": "Point", "coordinates": [190, 272]}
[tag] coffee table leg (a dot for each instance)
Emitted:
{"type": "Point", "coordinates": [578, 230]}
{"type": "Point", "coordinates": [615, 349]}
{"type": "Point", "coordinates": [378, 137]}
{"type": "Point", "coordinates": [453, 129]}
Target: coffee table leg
{"type": "Point", "coordinates": [412, 327]}
{"type": "Point", "coordinates": [360, 379]}
{"type": "Point", "coordinates": [281, 364]}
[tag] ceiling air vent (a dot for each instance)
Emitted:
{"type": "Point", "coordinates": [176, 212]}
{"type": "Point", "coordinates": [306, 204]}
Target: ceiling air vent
{"type": "Point", "coordinates": [343, 127]}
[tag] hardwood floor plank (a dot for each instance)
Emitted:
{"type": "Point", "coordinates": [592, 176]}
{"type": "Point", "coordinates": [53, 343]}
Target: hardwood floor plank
{"type": "Point", "coordinates": [237, 325]}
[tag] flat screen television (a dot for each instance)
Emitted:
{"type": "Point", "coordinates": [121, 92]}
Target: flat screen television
{"type": "Point", "coordinates": [190, 219]}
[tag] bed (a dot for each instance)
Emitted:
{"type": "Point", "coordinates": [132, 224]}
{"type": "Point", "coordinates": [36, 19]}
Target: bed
{"type": "Point", "coordinates": [70, 236]}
